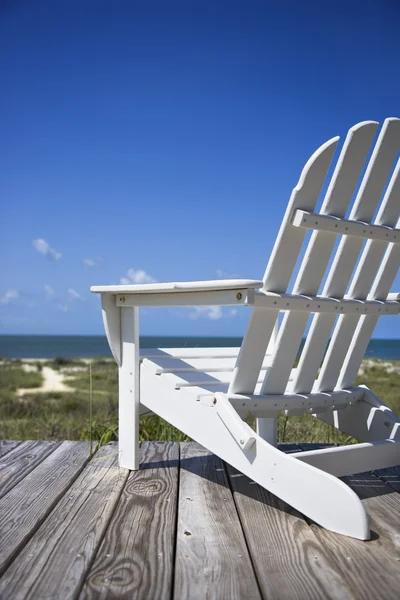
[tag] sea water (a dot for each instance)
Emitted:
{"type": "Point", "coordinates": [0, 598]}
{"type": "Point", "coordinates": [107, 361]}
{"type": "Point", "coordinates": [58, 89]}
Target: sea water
{"type": "Point", "coordinates": [69, 346]}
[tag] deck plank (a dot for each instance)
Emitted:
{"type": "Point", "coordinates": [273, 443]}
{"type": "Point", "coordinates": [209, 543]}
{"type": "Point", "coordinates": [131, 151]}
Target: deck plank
{"type": "Point", "coordinates": [212, 560]}
{"type": "Point", "coordinates": [20, 461]}
{"type": "Point", "coordinates": [288, 559]}
{"type": "Point", "coordinates": [96, 531]}
{"type": "Point", "coordinates": [371, 569]}
{"type": "Point", "coordinates": [53, 564]}
{"type": "Point", "coordinates": [29, 502]}
{"type": "Point", "coordinates": [7, 445]}
{"type": "Point", "coordinates": [136, 557]}
{"type": "Point", "coordinates": [382, 504]}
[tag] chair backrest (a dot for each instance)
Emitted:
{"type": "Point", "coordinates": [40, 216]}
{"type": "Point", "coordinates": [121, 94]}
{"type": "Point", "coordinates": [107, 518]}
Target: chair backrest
{"type": "Point", "coordinates": [351, 253]}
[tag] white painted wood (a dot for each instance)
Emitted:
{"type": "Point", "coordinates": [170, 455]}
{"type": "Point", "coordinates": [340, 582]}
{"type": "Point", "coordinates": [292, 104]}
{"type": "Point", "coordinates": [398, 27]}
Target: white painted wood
{"type": "Point", "coordinates": [267, 429]}
{"type": "Point", "coordinates": [205, 380]}
{"type": "Point", "coordinates": [322, 497]}
{"type": "Point", "coordinates": [177, 286]}
{"type": "Point", "coordinates": [321, 327]}
{"type": "Point", "coordinates": [366, 325]}
{"type": "Point", "coordinates": [239, 430]}
{"type": "Point", "coordinates": [234, 297]}
{"type": "Point", "coordinates": [315, 261]}
{"type": "Point", "coordinates": [260, 330]}
{"type": "Point", "coordinates": [129, 391]}
{"type": "Point", "coordinates": [189, 353]}
{"type": "Point", "coordinates": [112, 325]}
{"type": "Point", "coordinates": [338, 226]}
{"type": "Point", "coordinates": [280, 267]}
{"type": "Point", "coordinates": [194, 365]}
{"type": "Point", "coordinates": [368, 420]}
{"type": "Point", "coordinates": [271, 404]}
{"type": "Point", "coordinates": [357, 458]}
{"type": "Point", "coordinates": [369, 194]}
{"type": "Point", "coordinates": [322, 304]}
{"type": "Point", "coordinates": [363, 279]}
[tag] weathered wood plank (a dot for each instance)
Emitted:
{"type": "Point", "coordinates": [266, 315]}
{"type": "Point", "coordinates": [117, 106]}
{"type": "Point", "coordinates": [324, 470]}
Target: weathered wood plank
{"type": "Point", "coordinates": [212, 560]}
{"type": "Point", "coordinates": [28, 503]}
{"type": "Point", "coordinates": [7, 445]}
{"type": "Point", "coordinates": [289, 561]}
{"type": "Point", "coordinates": [54, 562]}
{"type": "Point", "coordinates": [371, 569]}
{"type": "Point", "coordinates": [136, 557]}
{"type": "Point", "coordinates": [382, 504]}
{"type": "Point", "coordinates": [17, 463]}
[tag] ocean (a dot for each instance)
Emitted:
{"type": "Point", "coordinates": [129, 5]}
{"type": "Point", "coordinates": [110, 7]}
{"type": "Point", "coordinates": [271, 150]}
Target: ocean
{"type": "Point", "coordinates": [69, 346]}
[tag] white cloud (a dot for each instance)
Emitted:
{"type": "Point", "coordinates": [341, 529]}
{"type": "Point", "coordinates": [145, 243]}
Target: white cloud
{"type": "Point", "coordinates": [89, 262]}
{"type": "Point", "coordinates": [43, 247]}
{"type": "Point", "coordinates": [9, 296]}
{"type": "Point", "coordinates": [137, 276]}
{"type": "Point", "coordinates": [211, 312]}
{"type": "Point", "coordinates": [73, 294]}
{"type": "Point", "coordinates": [49, 291]}
{"type": "Point", "coordinates": [224, 275]}
{"type": "Point", "coordinates": [65, 303]}
{"type": "Point", "coordinates": [214, 313]}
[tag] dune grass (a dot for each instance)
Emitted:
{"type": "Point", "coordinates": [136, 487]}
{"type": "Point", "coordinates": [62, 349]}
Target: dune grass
{"type": "Point", "coordinates": [68, 415]}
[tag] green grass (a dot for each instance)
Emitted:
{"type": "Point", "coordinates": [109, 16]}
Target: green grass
{"type": "Point", "coordinates": [66, 415]}
{"type": "Point", "coordinates": [13, 376]}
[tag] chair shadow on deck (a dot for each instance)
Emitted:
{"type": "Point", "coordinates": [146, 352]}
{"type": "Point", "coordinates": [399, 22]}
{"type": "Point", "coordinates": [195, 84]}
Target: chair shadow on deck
{"type": "Point", "coordinates": [215, 471]}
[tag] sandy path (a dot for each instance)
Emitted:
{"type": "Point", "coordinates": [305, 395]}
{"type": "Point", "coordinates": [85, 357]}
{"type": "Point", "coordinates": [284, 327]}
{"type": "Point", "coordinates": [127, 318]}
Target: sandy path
{"type": "Point", "coordinates": [53, 381]}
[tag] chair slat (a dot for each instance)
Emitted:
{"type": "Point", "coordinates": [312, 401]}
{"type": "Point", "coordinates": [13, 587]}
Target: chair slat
{"type": "Point", "coordinates": [382, 284]}
{"type": "Point", "coordinates": [376, 176]}
{"type": "Point", "coordinates": [189, 353]}
{"type": "Point", "coordinates": [199, 365]}
{"type": "Point", "coordinates": [366, 271]}
{"type": "Point", "coordinates": [280, 268]}
{"type": "Point", "coordinates": [337, 199]}
{"type": "Point", "coordinates": [363, 279]}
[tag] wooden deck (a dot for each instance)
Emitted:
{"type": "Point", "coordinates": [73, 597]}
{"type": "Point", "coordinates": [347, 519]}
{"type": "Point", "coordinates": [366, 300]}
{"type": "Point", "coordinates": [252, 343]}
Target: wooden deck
{"type": "Point", "coordinates": [185, 526]}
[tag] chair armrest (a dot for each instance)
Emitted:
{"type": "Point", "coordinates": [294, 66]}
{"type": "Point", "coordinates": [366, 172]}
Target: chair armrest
{"type": "Point", "coordinates": [226, 292]}
{"type": "Point", "coordinates": [393, 296]}
{"type": "Point", "coordinates": [176, 287]}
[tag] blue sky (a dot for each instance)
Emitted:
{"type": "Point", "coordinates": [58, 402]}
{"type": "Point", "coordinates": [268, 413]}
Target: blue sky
{"type": "Point", "coordinates": [163, 139]}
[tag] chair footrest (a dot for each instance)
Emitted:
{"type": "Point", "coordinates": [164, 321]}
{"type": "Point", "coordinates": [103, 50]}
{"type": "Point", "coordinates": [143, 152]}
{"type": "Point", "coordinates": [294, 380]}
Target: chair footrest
{"type": "Point", "coordinates": [357, 458]}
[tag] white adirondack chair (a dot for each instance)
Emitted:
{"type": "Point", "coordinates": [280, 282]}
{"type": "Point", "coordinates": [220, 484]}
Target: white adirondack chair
{"type": "Point", "coordinates": [205, 392]}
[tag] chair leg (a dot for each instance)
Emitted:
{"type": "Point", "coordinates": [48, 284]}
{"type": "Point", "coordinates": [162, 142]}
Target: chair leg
{"type": "Point", "coordinates": [267, 429]}
{"type": "Point", "coordinates": [129, 390]}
